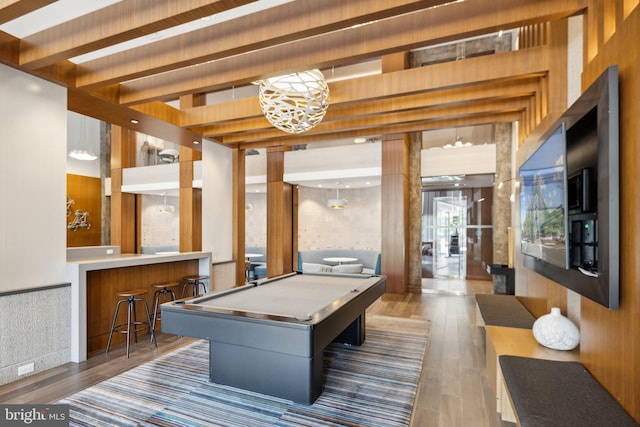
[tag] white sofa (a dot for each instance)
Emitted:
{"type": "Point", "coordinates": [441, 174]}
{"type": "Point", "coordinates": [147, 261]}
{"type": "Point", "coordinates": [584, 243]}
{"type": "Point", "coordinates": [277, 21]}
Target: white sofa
{"type": "Point", "coordinates": [313, 261]}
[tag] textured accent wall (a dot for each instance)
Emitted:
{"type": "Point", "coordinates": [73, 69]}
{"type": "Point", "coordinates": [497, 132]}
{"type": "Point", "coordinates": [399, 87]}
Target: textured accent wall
{"type": "Point", "coordinates": [256, 220]}
{"type": "Point", "coordinates": [158, 228]}
{"type": "Point", "coordinates": [502, 205]}
{"type": "Point", "coordinates": [415, 211]}
{"type": "Point", "coordinates": [35, 329]}
{"type": "Point", "coordinates": [356, 227]}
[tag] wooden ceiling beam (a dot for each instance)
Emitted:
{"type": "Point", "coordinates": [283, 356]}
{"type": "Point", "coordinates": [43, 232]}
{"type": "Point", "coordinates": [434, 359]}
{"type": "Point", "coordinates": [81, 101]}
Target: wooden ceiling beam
{"type": "Point", "coordinates": [485, 92]}
{"type": "Point", "coordinates": [481, 119]}
{"type": "Point", "coordinates": [9, 49]}
{"type": "Point", "coordinates": [423, 28]}
{"type": "Point", "coordinates": [389, 119]}
{"type": "Point", "coordinates": [82, 102]}
{"type": "Point", "coordinates": [120, 22]}
{"type": "Point", "coordinates": [281, 24]}
{"type": "Point", "coordinates": [12, 9]}
{"type": "Point", "coordinates": [455, 74]}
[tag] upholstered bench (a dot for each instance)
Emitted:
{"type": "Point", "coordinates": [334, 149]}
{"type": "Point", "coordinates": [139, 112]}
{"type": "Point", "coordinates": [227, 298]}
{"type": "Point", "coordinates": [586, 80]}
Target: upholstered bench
{"type": "Point", "coordinates": [559, 393]}
{"type": "Point", "coordinates": [502, 310]}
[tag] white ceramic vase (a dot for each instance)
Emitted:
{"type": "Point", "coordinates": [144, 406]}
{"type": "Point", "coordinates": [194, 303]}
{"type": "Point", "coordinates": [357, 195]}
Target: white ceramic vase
{"type": "Point", "coordinates": [555, 331]}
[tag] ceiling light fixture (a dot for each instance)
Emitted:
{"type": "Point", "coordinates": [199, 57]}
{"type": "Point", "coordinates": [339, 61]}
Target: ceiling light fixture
{"type": "Point", "coordinates": [458, 144]}
{"type": "Point", "coordinates": [296, 102]}
{"type": "Point", "coordinates": [337, 203]}
{"type": "Point", "coordinates": [165, 208]}
{"type": "Point", "coordinates": [82, 155]}
{"type": "Point", "coordinates": [83, 140]}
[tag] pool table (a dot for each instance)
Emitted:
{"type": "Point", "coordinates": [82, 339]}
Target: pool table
{"type": "Point", "coordinates": [269, 336]}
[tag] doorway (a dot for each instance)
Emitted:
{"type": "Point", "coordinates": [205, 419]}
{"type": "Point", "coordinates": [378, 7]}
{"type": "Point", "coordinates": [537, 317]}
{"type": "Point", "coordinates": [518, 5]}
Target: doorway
{"type": "Point", "coordinates": [449, 250]}
{"type": "Point", "coordinates": [457, 229]}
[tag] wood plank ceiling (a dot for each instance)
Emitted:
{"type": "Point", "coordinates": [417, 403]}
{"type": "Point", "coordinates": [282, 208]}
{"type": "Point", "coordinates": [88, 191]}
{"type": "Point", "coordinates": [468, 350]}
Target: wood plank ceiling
{"type": "Point", "coordinates": [144, 83]}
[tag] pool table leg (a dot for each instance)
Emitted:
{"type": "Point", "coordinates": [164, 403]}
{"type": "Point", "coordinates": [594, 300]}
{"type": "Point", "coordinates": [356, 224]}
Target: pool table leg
{"type": "Point", "coordinates": [277, 374]}
{"type": "Point", "coordinates": [354, 334]}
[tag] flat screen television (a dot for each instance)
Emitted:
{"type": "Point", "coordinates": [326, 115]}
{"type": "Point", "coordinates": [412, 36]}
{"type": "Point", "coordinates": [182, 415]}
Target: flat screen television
{"type": "Point", "coordinates": [543, 201]}
{"type": "Point", "coordinates": [589, 260]}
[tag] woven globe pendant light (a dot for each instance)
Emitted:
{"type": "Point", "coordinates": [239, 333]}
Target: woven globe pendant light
{"type": "Point", "coordinates": [296, 102]}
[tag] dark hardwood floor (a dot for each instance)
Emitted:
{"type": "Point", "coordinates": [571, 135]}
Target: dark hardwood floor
{"type": "Point", "coordinates": [453, 390]}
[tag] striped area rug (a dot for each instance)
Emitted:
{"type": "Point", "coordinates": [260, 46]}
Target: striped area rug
{"type": "Point", "coordinates": [371, 385]}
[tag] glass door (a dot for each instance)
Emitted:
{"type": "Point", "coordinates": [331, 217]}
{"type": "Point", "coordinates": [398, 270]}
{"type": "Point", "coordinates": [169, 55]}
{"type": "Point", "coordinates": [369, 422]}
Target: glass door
{"type": "Point", "coordinates": [449, 254]}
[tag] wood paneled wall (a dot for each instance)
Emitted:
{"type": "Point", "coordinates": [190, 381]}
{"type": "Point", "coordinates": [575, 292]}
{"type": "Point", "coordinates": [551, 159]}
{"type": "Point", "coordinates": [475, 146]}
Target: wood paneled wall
{"type": "Point", "coordinates": [610, 345]}
{"type": "Point", "coordinates": [85, 192]}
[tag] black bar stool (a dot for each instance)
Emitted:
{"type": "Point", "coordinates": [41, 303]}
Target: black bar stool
{"type": "Point", "coordinates": [133, 324]}
{"type": "Point", "coordinates": [163, 291]}
{"type": "Point", "coordinates": [195, 282]}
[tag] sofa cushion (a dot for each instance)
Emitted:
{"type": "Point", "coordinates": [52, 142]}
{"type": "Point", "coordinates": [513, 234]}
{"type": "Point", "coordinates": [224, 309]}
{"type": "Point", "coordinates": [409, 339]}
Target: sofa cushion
{"type": "Point", "coordinates": [347, 268]}
{"type": "Point", "coordinates": [312, 267]}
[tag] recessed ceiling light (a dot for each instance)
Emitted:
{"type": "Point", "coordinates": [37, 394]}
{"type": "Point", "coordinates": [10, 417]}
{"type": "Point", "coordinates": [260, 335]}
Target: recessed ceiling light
{"type": "Point", "coordinates": [196, 142]}
{"type": "Point", "coordinates": [134, 121]}
{"type": "Point", "coordinates": [360, 140]}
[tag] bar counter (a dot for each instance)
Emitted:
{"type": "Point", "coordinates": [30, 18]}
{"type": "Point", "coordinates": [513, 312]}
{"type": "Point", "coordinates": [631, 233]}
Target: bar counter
{"type": "Point", "coordinates": [95, 280]}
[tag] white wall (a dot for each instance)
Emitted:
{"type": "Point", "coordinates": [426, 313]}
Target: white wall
{"type": "Point", "coordinates": [34, 323]}
{"type": "Point", "coordinates": [33, 126]}
{"type": "Point", "coordinates": [217, 197]}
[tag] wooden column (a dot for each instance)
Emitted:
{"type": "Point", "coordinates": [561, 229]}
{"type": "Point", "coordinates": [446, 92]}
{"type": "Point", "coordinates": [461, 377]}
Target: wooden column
{"type": "Point", "coordinates": [395, 198]}
{"type": "Point", "coordinates": [239, 200]}
{"type": "Point", "coordinates": [123, 205]}
{"type": "Point", "coordinates": [190, 198]}
{"type": "Point", "coordinates": [395, 212]}
{"type": "Point", "coordinates": [279, 215]}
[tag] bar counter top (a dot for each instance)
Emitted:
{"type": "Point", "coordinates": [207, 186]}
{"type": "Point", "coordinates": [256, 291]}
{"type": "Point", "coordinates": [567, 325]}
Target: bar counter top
{"type": "Point", "coordinates": [77, 272]}
{"type": "Point", "coordinates": [128, 260]}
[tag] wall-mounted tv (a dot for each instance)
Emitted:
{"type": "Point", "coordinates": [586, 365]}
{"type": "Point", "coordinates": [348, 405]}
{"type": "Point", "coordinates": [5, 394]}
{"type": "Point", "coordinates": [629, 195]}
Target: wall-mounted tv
{"type": "Point", "coordinates": [543, 202]}
{"type": "Point", "coordinates": [589, 263]}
